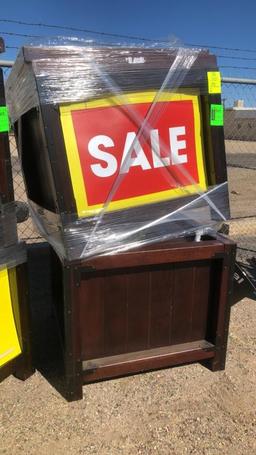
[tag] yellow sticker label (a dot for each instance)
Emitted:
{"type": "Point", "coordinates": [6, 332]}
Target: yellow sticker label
{"type": "Point", "coordinates": [214, 82]}
{"type": "Point", "coordinates": [9, 341]}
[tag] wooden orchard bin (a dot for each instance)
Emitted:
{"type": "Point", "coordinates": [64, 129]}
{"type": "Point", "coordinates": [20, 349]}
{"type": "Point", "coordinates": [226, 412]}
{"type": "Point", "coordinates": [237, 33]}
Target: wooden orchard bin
{"type": "Point", "coordinates": [15, 345]}
{"type": "Point", "coordinates": [146, 308]}
{"type": "Point", "coordinates": [141, 310]}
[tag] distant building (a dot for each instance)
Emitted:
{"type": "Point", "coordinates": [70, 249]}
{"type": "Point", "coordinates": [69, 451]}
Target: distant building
{"type": "Point", "coordinates": [240, 122]}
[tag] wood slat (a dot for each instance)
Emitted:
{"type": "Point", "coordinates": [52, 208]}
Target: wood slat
{"type": "Point", "coordinates": [186, 251]}
{"type": "Point", "coordinates": [183, 296]}
{"type": "Point", "coordinates": [146, 360]}
{"type": "Point", "coordinates": [161, 306]}
{"type": "Point", "coordinates": [115, 314]}
{"type": "Point", "coordinates": [91, 322]}
{"type": "Point", "coordinates": [138, 317]}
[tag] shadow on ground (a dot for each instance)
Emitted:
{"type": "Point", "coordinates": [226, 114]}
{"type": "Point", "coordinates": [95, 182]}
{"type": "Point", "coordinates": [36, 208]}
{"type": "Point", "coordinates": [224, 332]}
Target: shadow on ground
{"type": "Point", "coordinates": [46, 340]}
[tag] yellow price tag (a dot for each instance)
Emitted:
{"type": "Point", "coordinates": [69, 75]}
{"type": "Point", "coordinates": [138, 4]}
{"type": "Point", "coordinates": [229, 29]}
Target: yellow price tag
{"type": "Point", "coordinates": [214, 82]}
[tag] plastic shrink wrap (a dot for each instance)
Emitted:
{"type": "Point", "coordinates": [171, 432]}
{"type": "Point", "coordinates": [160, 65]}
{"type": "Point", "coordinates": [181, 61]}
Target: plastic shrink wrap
{"type": "Point", "coordinates": [121, 145]}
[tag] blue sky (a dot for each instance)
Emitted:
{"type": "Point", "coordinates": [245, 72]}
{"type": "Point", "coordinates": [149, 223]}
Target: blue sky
{"type": "Point", "coordinates": [220, 23]}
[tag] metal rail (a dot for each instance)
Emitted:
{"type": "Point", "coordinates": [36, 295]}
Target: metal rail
{"type": "Point", "coordinates": [238, 80]}
{"type": "Point", "coordinates": [7, 63]}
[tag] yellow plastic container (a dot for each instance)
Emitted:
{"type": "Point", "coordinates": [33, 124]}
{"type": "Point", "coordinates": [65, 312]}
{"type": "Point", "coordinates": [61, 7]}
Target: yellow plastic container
{"type": "Point", "coordinates": [10, 340]}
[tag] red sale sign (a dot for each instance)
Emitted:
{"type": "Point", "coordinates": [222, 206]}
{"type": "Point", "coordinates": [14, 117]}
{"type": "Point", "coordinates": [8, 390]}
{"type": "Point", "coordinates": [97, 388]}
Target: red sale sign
{"type": "Point", "coordinates": [103, 141]}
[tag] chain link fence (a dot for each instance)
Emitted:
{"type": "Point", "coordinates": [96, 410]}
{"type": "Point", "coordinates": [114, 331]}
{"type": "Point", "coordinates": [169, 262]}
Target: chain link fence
{"type": "Point", "coordinates": [26, 230]}
{"type": "Point", "coordinates": [239, 98]}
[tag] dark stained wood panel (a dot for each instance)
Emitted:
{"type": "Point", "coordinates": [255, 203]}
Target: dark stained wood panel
{"type": "Point", "coordinates": [115, 313]}
{"type": "Point", "coordinates": [91, 321]}
{"type": "Point", "coordinates": [138, 311]}
{"type": "Point", "coordinates": [183, 297]}
{"type": "Point", "coordinates": [144, 308]}
{"type": "Point", "coordinates": [201, 300]}
{"type": "Point", "coordinates": [161, 306]}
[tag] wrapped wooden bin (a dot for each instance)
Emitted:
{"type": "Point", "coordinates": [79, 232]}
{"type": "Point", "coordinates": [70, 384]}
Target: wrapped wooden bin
{"type": "Point", "coordinates": [123, 155]}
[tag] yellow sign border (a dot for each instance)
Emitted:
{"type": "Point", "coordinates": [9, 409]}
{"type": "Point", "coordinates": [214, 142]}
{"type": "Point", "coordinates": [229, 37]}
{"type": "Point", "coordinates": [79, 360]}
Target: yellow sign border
{"type": "Point", "coordinates": [78, 184]}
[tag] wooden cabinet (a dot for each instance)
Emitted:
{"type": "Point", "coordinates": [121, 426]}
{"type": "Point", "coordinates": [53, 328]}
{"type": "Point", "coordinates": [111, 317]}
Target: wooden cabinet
{"type": "Point", "coordinates": [141, 310]}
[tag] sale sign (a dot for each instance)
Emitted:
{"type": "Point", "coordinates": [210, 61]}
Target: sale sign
{"type": "Point", "coordinates": [107, 142]}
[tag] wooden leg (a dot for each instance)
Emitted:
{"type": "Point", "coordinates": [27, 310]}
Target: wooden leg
{"type": "Point", "coordinates": [217, 363]}
{"type": "Point", "coordinates": [73, 363]}
{"type": "Point", "coordinates": [24, 366]}
{"type": "Point", "coordinates": [74, 387]}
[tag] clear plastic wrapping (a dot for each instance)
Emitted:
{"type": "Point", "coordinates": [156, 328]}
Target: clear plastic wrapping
{"type": "Point", "coordinates": [21, 95]}
{"type": "Point", "coordinates": [13, 255]}
{"type": "Point", "coordinates": [66, 72]}
{"type": "Point", "coordinates": [8, 226]}
{"type": "Point", "coordinates": [133, 125]}
{"type": "Point", "coordinates": [12, 252]}
{"type": "Point", "coordinates": [85, 238]}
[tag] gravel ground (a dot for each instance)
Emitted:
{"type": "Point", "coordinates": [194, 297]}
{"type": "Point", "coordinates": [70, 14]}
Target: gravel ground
{"type": "Point", "coordinates": [186, 410]}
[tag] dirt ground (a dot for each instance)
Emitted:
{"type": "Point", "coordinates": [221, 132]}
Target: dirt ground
{"type": "Point", "coordinates": [186, 410]}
